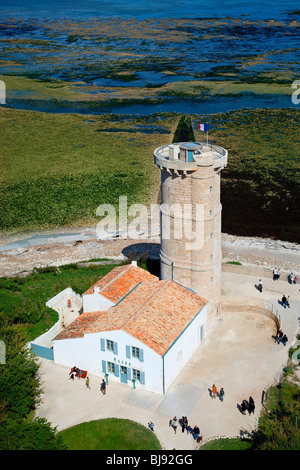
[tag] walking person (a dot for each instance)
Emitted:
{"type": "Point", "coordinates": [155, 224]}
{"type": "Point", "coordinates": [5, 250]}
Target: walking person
{"type": "Point", "coordinates": [87, 382]}
{"type": "Point", "coordinates": [275, 274]}
{"type": "Point", "coordinates": [185, 423]}
{"type": "Point", "coordinates": [284, 301]}
{"type": "Point", "coordinates": [151, 426]}
{"type": "Point", "coordinates": [288, 301]}
{"type": "Point", "coordinates": [174, 424]}
{"type": "Point", "coordinates": [196, 432]}
{"type": "Point", "coordinates": [214, 391]}
{"type": "Point", "coordinates": [260, 285]}
{"type": "Point", "coordinates": [284, 339]}
{"type": "Point", "coordinates": [251, 406]}
{"type": "Point", "coordinates": [278, 274]}
{"type": "Point", "coordinates": [279, 336]}
{"type": "Point", "coordinates": [103, 387]}
{"type": "Point", "coordinates": [189, 430]}
{"type": "Point", "coordinates": [244, 407]}
{"type": "Point", "coordinates": [221, 394]}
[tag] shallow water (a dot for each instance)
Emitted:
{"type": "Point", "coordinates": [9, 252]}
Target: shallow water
{"type": "Point", "coordinates": [212, 105]}
{"type": "Point", "coordinates": [146, 9]}
{"type": "Point", "coordinates": [147, 44]}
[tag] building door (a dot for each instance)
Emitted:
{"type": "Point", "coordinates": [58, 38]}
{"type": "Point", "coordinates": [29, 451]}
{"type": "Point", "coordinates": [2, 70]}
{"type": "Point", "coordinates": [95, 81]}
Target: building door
{"type": "Point", "coordinates": [123, 374]}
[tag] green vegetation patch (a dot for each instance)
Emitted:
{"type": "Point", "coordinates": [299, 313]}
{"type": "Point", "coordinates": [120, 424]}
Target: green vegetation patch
{"type": "Point", "coordinates": [109, 434]}
{"type": "Point", "coordinates": [279, 424]}
{"type": "Point", "coordinates": [228, 444]}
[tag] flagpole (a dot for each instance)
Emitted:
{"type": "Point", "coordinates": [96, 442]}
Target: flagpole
{"type": "Point", "coordinates": [207, 136]}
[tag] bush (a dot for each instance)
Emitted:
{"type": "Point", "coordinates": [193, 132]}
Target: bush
{"type": "Point", "coordinates": [184, 131]}
{"type": "Point", "coordinates": [278, 428]}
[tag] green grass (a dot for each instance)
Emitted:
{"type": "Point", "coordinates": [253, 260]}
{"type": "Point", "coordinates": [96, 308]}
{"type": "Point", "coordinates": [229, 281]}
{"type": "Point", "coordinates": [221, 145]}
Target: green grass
{"type": "Point", "coordinates": [110, 434]}
{"type": "Point", "coordinates": [56, 169]}
{"type": "Point", "coordinates": [228, 444]}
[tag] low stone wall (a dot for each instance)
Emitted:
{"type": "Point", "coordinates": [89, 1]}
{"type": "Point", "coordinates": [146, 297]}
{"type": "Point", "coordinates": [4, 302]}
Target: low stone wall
{"type": "Point", "coordinates": [60, 301]}
{"type": "Point", "coordinates": [258, 271]}
{"type": "Point", "coordinates": [241, 304]}
{"type": "Point", "coordinates": [57, 303]}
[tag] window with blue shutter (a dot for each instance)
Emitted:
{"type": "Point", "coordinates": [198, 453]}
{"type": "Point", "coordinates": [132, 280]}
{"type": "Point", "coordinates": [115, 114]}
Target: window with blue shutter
{"type": "Point", "coordinates": [104, 367]}
{"type": "Point", "coordinates": [108, 345]}
{"type": "Point", "coordinates": [117, 370]}
{"type": "Point", "coordinates": [142, 378]}
{"type": "Point", "coordinates": [141, 355]}
{"type": "Point", "coordinates": [128, 373]}
{"type": "Point", "coordinates": [137, 353]}
{"type": "Point", "coordinates": [128, 355]}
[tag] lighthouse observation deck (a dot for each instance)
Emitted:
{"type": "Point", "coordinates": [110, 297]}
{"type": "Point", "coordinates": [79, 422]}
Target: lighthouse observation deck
{"type": "Point", "coordinates": [186, 157]}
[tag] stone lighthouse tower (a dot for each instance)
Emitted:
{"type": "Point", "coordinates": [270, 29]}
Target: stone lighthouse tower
{"type": "Point", "coordinates": [191, 217]}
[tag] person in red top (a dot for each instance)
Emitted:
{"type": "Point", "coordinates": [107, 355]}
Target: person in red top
{"type": "Point", "coordinates": [214, 391]}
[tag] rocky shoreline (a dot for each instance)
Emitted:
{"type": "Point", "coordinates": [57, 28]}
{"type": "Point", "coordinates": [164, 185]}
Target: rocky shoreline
{"type": "Point", "coordinates": [19, 256]}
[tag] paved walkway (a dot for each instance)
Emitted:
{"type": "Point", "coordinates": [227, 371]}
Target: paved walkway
{"type": "Point", "coordinates": [239, 355]}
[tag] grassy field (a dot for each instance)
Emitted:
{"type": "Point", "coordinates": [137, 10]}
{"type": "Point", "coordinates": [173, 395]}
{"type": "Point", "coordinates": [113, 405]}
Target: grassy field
{"type": "Point", "coordinates": [110, 434]}
{"type": "Point", "coordinates": [228, 444]}
{"type": "Point", "coordinates": [58, 168]}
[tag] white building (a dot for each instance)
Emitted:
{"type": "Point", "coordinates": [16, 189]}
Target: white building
{"type": "Point", "coordinates": [137, 329]}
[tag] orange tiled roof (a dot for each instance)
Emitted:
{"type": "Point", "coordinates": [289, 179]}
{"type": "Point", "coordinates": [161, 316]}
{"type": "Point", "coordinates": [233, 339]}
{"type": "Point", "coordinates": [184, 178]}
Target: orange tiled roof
{"type": "Point", "coordinates": [155, 313]}
{"type": "Point", "coordinates": [119, 281]}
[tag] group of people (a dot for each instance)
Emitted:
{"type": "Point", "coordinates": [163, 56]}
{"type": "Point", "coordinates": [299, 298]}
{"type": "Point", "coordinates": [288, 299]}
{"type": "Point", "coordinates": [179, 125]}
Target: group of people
{"type": "Point", "coordinates": [292, 279]}
{"type": "Point", "coordinates": [183, 422]}
{"type": "Point", "coordinates": [281, 338]}
{"type": "Point", "coordinates": [276, 274]}
{"type": "Point", "coordinates": [215, 393]}
{"type": "Point", "coordinates": [74, 371]}
{"type": "Point", "coordinates": [247, 405]}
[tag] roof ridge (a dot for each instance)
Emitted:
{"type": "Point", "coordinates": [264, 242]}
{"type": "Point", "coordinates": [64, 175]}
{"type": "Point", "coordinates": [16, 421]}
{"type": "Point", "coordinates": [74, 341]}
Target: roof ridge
{"type": "Point", "coordinates": [114, 279]}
